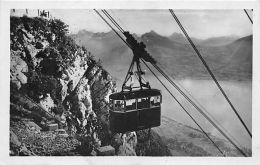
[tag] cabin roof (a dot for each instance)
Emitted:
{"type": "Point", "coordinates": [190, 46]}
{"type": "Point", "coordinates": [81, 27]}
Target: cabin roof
{"type": "Point", "coordinates": [126, 95]}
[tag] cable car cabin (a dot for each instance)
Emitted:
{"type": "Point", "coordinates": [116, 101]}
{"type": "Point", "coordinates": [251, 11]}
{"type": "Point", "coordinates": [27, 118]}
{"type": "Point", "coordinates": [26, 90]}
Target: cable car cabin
{"type": "Point", "coordinates": [136, 110]}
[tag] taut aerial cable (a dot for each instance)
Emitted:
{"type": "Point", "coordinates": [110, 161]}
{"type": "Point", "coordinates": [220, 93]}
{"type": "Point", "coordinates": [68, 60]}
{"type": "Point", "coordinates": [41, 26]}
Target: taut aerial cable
{"type": "Point", "coordinates": [212, 75]}
{"type": "Point", "coordinates": [150, 59]}
{"type": "Point", "coordinates": [248, 16]}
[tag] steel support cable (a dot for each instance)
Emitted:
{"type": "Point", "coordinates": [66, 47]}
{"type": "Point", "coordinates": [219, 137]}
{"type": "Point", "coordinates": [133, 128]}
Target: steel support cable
{"type": "Point", "coordinates": [212, 75]}
{"type": "Point", "coordinates": [96, 94]}
{"type": "Point", "coordinates": [122, 30]}
{"type": "Point", "coordinates": [165, 87]}
{"type": "Point", "coordinates": [132, 63]}
{"type": "Point", "coordinates": [183, 107]}
{"type": "Point", "coordinates": [201, 112]}
{"type": "Point", "coordinates": [111, 27]}
{"type": "Point", "coordinates": [200, 105]}
{"type": "Point", "coordinates": [248, 16]}
{"type": "Point", "coordinates": [118, 19]}
{"type": "Point", "coordinates": [112, 20]}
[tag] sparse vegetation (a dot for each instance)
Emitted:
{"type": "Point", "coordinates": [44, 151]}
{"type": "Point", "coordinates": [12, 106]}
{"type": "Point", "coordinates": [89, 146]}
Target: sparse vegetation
{"type": "Point", "coordinates": [48, 51]}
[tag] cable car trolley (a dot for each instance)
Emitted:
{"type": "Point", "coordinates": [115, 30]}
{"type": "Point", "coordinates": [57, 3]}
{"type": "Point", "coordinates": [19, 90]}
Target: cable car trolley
{"type": "Point", "coordinates": [133, 110]}
{"type": "Point", "coordinates": [135, 107]}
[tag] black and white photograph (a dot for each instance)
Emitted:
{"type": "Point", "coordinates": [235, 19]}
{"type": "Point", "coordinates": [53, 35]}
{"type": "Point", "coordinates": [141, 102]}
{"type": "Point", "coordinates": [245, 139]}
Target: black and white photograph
{"type": "Point", "coordinates": [116, 83]}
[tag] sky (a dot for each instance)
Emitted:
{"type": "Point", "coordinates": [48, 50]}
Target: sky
{"type": "Point", "coordinates": [201, 24]}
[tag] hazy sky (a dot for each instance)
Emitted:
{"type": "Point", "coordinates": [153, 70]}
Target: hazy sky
{"type": "Point", "coordinates": [198, 23]}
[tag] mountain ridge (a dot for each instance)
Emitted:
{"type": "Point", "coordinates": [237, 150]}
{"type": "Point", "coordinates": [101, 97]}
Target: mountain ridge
{"type": "Point", "coordinates": [65, 80]}
{"type": "Point", "coordinates": [219, 41]}
{"type": "Point", "coordinates": [180, 38]}
{"type": "Point", "coordinates": [168, 52]}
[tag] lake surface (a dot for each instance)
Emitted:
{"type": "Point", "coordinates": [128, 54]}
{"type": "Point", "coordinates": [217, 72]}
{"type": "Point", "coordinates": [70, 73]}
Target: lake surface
{"type": "Point", "coordinates": [209, 96]}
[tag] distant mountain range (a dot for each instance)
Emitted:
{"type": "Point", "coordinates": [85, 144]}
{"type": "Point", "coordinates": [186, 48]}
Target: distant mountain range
{"type": "Point", "coordinates": [229, 57]}
{"type": "Point", "coordinates": [219, 41]}
{"type": "Point", "coordinates": [212, 41]}
{"type": "Point", "coordinates": [178, 37]}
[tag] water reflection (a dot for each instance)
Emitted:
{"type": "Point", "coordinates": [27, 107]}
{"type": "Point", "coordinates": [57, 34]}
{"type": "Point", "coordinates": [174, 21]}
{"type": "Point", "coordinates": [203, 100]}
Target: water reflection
{"type": "Point", "coordinates": [209, 96]}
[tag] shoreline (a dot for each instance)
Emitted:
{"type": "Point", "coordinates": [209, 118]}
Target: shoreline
{"type": "Point", "coordinates": [209, 78]}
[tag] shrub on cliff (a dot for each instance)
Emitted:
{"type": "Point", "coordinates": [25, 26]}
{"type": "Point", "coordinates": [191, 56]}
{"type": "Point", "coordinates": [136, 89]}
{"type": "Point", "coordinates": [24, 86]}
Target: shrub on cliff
{"type": "Point", "coordinates": [59, 28]}
{"type": "Point", "coordinates": [39, 84]}
{"type": "Point", "coordinates": [55, 53]}
{"type": "Point", "coordinates": [53, 31]}
{"type": "Point", "coordinates": [151, 146]}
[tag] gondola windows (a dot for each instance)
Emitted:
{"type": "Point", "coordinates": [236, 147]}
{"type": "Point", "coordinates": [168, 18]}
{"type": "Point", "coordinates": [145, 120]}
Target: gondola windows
{"type": "Point", "coordinates": [119, 105]}
{"type": "Point", "coordinates": [155, 101]}
{"type": "Point", "coordinates": [130, 104]}
{"type": "Point", "coordinates": [152, 101]}
{"type": "Point", "coordinates": [132, 111]}
{"type": "Point", "coordinates": [143, 103]}
{"type": "Point", "coordinates": [139, 103]}
{"type": "Point", "coordinates": [111, 103]}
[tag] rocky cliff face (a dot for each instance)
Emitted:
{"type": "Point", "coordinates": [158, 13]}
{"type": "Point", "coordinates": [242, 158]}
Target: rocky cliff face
{"type": "Point", "coordinates": [17, 70]}
{"type": "Point", "coordinates": [49, 69]}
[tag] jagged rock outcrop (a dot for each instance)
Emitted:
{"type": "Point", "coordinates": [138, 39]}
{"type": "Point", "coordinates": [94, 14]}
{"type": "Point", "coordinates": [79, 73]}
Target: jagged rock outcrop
{"type": "Point", "coordinates": [72, 75]}
{"type": "Point", "coordinates": [57, 74]}
{"type": "Point", "coordinates": [151, 145]}
{"type": "Point", "coordinates": [80, 101]}
{"type": "Point", "coordinates": [128, 144]}
{"type": "Point", "coordinates": [18, 68]}
{"type": "Point", "coordinates": [47, 103]}
{"type": "Point", "coordinates": [61, 82]}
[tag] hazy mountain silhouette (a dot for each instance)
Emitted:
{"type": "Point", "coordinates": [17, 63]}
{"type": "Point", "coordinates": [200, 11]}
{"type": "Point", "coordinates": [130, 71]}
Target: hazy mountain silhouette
{"type": "Point", "coordinates": [178, 37]}
{"type": "Point", "coordinates": [243, 49]}
{"type": "Point", "coordinates": [212, 41]}
{"type": "Point", "coordinates": [230, 61]}
{"type": "Point", "coordinates": [84, 33]}
{"type": "Point", "coordinates": [219, 41]}
{"type": "Point", "coordinates": [99, 43]}
{"type": "Point", "coordinates": [241, 58]}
